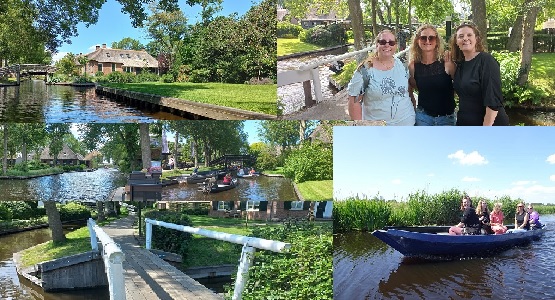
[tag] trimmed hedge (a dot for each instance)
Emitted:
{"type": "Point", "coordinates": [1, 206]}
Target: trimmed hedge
{"type": "Point", "coordinates": [74, 211]}
{"type": "Point", "coordinates": [169, 240]}
{"type": "Point", "coordinates": [321, 35]}
{"type": "Point", "coordinates": [288, 30]}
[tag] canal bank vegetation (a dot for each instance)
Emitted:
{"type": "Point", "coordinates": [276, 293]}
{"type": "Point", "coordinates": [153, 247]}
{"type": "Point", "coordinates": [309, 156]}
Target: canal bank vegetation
{"type": "Point", "coordinates": [259, 98]}
{"type": "Point", "coordinates": [420, 209]}
{"type": "Point", "coordinates": [309, 261]}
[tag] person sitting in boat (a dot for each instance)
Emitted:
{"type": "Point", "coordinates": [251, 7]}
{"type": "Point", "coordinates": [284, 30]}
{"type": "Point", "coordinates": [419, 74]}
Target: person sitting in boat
{"type": "Point", "coordinates": [251, 172]}
{"type": "Point", "coordinates": [470, 224]}
{"type": "Point", "coordinates": [227, 179]}
{"type": "Point", "coordinates": [483, 215]}
{"type": "Point", "coordinates": [521, 217]}
{"type": "Point", "coordinates": [496, 219]}
{"type": "Point", "coordinates": [534, 217]}
{"type": "Point", "coordinates": [195, 171]}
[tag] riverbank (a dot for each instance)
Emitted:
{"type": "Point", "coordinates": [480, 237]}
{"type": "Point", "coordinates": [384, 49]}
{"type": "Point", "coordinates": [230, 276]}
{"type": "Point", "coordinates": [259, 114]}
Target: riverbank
{"type": "Point", "coordinates": [39, 173]}
{"type": "Point", "coordinates": [241, 101]}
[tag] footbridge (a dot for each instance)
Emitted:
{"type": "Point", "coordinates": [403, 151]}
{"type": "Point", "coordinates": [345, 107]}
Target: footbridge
{"type": "Point", "coordinates": [20, 70]}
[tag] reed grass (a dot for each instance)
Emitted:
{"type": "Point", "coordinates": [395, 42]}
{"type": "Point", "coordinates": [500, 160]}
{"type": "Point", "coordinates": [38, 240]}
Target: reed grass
{"type": "Point", "coordinates": [420, 209]}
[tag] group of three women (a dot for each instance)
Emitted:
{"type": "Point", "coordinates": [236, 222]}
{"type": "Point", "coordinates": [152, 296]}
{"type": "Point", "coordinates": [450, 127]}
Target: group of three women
{"type": "Point", "coordinates": [382, 88]}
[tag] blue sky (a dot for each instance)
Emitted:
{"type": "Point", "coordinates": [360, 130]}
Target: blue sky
{"type": "Point", "coordinates": [489, 162]}
{"type": "Point", "coordinates": [113, 25]}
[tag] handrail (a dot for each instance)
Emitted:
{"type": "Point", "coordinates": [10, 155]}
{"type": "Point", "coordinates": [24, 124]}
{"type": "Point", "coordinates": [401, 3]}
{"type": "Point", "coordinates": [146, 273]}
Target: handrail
{"type": "Point", "coordinates": [247, 253]}
{"type": "Point", "coordinates": [113, 260]}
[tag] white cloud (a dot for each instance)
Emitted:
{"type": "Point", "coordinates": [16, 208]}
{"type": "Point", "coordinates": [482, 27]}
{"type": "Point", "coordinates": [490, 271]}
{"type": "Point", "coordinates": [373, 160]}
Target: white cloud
{"type": "Point", "coordinates": [472, 158]}
{"type": "Point", "coordinates": [56, 57]}
{"type": "Point", "coordinates": [552, 177]}
{"type": "Point", "coordinates": [470, 179]}
{"type": "Point", "coordinates": [431, 175]}
{"type": "Point", "coordinates": [523, 182]}
{"type": "Point", "coordinates": [396, 181]}
{"type": "Point", "coordinates": [551, 159]}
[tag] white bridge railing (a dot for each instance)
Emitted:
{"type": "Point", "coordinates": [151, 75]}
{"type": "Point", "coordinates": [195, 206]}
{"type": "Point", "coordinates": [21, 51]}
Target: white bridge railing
{"type": "Point", "coordinates": [311, 72]}
{"type": "Point", "coordinates": [113, 260]}
{"type": "Point", "coordinates": [247, 254]}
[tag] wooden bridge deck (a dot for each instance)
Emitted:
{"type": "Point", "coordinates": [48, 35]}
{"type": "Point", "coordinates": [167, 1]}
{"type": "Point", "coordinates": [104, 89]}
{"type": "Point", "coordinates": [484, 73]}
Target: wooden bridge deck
{"type": "Point", "coordinates": [149, 277]}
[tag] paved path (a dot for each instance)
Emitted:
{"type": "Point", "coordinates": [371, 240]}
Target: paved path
{"type": "Point", "coordinates": [329, 109]}
{"type": "Point", "coordinates": [146, 275]}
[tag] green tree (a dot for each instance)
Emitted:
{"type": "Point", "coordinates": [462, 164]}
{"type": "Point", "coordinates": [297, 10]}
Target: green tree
{"type": "Point", "coordinates": [128, 43]}
{"type": "Point", "coordinates": [67, 65]}
{"type": "Point", "coordinates": [284, 133]}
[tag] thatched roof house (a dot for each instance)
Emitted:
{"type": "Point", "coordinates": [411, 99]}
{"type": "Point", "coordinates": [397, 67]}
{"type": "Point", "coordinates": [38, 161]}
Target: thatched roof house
{"type": "Point", "coordinates": [65, 157]}
{"type": "Point", "coordinates": [108, 60]}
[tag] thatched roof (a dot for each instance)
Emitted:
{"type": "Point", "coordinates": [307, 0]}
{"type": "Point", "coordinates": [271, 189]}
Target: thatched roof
{"type": "Point", "coordinates": [65, 154]}
{"type": "Point", "coordinates": [129, 58]}
{"type": "Point", "coordinates": [92, 155]}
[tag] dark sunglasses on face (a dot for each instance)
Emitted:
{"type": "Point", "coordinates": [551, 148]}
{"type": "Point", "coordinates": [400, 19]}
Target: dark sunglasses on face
{"type": "Point", "coordinates": [383, 42]}
{"type": "Point", "coordinates": [430, 38]}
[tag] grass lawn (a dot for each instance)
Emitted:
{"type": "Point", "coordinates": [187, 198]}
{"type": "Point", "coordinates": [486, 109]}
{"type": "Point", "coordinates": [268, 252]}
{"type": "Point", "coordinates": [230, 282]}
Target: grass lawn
{"type": "Point", "coordinates": [204, 251]}
{"type": "Point", "coordinates": [257, 98]}
{"type": "Point", "coordinates": [77, 241]}
{"type": "Point", "coordinates": [278, 170]}
{"type": "Point", "coordinates": [543, 72]}
{"type": "Point", "coordinates": [290, 46]}
{"type": "Point", "coordinates": [316, 190]}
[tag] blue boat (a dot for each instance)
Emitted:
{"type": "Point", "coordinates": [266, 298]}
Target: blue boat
{"type": "Point", "coordinates": [432, 242]}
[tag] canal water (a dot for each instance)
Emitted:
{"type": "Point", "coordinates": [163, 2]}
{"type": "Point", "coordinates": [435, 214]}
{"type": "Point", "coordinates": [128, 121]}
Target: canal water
{"type": "Point", "coordinates": [34, 101]}
{"type": "Point", "coordinates": [366, 268]}
{"type": "Point", "coordinates": [262, 188]}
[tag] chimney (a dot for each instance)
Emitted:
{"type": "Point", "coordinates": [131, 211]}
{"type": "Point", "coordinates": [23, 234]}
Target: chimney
{"type": "Point", "coordinates": [97, 47]}
{"type": "Point", "coordinates": [104, 46]}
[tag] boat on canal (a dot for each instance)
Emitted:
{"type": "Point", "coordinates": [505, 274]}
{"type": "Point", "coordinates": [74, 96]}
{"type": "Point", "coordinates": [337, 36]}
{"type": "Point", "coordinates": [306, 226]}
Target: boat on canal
{"type": "Point", "coordinates": [435, 242]}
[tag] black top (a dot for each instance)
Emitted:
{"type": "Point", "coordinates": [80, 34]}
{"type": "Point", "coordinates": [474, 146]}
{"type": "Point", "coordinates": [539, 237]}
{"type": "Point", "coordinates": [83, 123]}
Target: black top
{"type": "Point", "coordinates": [435, 89]}
{"type": "Point", "coordinates": [470, 218]}
{"type": "Point", "coordinates": [520, 220]}
{"type": "Point", "coordinates": [478, 84]}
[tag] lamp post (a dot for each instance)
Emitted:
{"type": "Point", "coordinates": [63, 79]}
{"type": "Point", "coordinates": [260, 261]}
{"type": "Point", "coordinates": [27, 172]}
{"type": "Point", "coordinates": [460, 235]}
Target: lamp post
{"type": "Point", "coordinates": [447, 28]}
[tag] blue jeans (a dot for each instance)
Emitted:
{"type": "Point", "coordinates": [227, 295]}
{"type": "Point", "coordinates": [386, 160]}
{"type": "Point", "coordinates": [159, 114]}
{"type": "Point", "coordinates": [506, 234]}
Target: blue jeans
{"type": "Point", "coordinates": [423, 119]}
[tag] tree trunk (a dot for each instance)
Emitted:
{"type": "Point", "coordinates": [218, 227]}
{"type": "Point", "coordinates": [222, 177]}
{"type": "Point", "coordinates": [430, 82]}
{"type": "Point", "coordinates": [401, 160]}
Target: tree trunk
{"type": "Point", "coordinates": [374, 22]}
{"type": "Point", "coordinates": [409, 16]}
{"type": "Point", "coordinates": [5, 156]}
{"type": "Point", "coordinates": [145, 145]}
{"type": "Point", "coordinates": [357, 23]}
{"type": "Point", "coordinates": [175, 156]}
{"type": "Point", "coordinates": [302, 129]}
{"type": "Point", "coordinates": [527, 45]}
{"type": "Point", "coordinates": [513, 44]}
{"type": "Point", "coordinates": [54, 221]}
{"type": "Point", "coordinates": [24, 151]}
{"type": "Point", "coordinates": [479, 18]}
{"type": "Point", "coordinates": [100, 211]}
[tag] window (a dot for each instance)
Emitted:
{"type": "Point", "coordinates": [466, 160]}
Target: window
{"type": "Point", "coordinates": [253, 205]}
{"type": "Point", "coordinates": [121, 55]}
{"type": "Point", "coordinates": [107, 54]}
{"type": "Point", "coordinates": [296, 205]}
{"type": "Point", "coordinates": [223, 205]}
{"type": "Point", "coordinates": [113, 67]}
{"type": "Point", "coordinates": [99, 67]}
{"type": "Point", "coordinates": [128, 56]}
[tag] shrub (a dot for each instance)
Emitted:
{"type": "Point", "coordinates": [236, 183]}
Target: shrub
{"type": "Point", "coordinates": [312, 161]}
{"type": "Point", "coordinates": [200, 75]}
{"type": "Point", "coordinates": [309, 262]}
{"type": "Point", "coordinates": [146, 76]}
{"type": "Point", "coordinates": [514, 94]}
{"type": "Point", "coordinates": [5, 212]}
{"type": "Point", "coordinates": [20, 210]}
{"type": "Point", "coordinates": [74, 211]}
{"type": "Point", "coordinates": [288, 30]}
{"type": "Point", "coordinates": [119, 77]}
{"type": "Point", "coordinates": [167, 78]}
{"type": "Point", "coordinates": [325, 36]}
{"type": "Point", "coordinates": [170, 240]}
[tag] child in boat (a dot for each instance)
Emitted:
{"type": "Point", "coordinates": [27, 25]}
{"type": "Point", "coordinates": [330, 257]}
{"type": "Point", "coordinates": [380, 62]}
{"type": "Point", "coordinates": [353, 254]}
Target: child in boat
{"type": "Point", "coordinates": [496, 219]}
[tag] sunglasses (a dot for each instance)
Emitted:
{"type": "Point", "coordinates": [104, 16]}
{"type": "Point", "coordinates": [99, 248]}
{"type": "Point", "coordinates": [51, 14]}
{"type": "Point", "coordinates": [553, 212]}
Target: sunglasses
{"type": "Point", "coordinates": [383, 42]}
{"type": "Point", "coordinates": [520, 206]}
{"type": "Point", "coordinates": [430, 38]}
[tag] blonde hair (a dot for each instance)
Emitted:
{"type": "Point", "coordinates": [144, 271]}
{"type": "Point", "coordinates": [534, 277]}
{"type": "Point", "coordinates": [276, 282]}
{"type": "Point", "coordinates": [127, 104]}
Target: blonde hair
{"type": "Point", "coordinates": [479, 207]}
{"type": "Point", "coordinates": [374, 53]}
{"type": "Point", "coordinates": [456, 52]}
{"type": "Point", "coordinates": [415, 50]}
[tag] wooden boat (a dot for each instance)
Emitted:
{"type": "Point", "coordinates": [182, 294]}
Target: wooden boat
{"type": "Point", "coordinates": [192, 179]}
{"type": "Point", "coordinates": [218, 187]}
{"type": "Point", "coordinates": [430, 242]}
{"type": "Point", "coordinates": [241, 174]}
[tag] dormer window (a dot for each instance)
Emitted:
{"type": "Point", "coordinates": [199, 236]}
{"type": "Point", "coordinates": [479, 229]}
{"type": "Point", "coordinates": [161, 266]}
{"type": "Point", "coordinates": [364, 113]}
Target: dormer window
{"type": "Point", "coordinates": [121, 55]}
{"type": "Point", "coordinates": [107, 54]}
{"type": "Point", "coordinates": [128, 56]}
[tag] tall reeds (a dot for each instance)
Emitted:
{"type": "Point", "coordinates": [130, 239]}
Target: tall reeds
{"type": "Point", "coordinates": [421, 208]}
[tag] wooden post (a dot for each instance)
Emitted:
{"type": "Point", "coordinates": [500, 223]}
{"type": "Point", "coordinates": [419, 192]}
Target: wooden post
{"type": "Point", "coordinates": [308, 101]}
{"type": "Point", "coordinates": [18, 70]}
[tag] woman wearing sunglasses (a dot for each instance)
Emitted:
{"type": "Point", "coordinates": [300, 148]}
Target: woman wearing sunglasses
{"type": "Point", "coordinates": [521, 217]}
{"type": "Point", "coordinates": [432, 77]}
{"type": "Point", "coordinates": [383, 80]}
{"type": "Point", "coordinates": [477, 80]}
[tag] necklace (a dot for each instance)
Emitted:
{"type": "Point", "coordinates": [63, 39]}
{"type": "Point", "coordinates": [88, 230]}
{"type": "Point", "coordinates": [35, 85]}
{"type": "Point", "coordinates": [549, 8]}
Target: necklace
{"type": "Point", "coordinates": [388, 65]}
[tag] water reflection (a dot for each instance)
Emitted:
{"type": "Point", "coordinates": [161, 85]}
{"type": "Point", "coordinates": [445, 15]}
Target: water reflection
{"type": "Point", "coordinates": [34, 101]}
{"type": "Point", "coordinates": [260, 189]}
{"type": "Point", "coordinates": [364, 270]}
{"type": "Point", "coordinates": [531, 117]}
{"type": "Point", "coordinates": [81, 186]}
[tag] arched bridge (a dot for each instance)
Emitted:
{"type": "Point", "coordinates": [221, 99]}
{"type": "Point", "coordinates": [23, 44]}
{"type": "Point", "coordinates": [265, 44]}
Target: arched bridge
{"type": "Point", "coordinates": [27, 70]}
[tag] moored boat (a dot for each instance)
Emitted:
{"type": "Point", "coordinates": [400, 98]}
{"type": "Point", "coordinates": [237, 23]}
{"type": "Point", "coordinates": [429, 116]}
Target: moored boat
{"type": "Point", "coordinates": [430, 242]}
